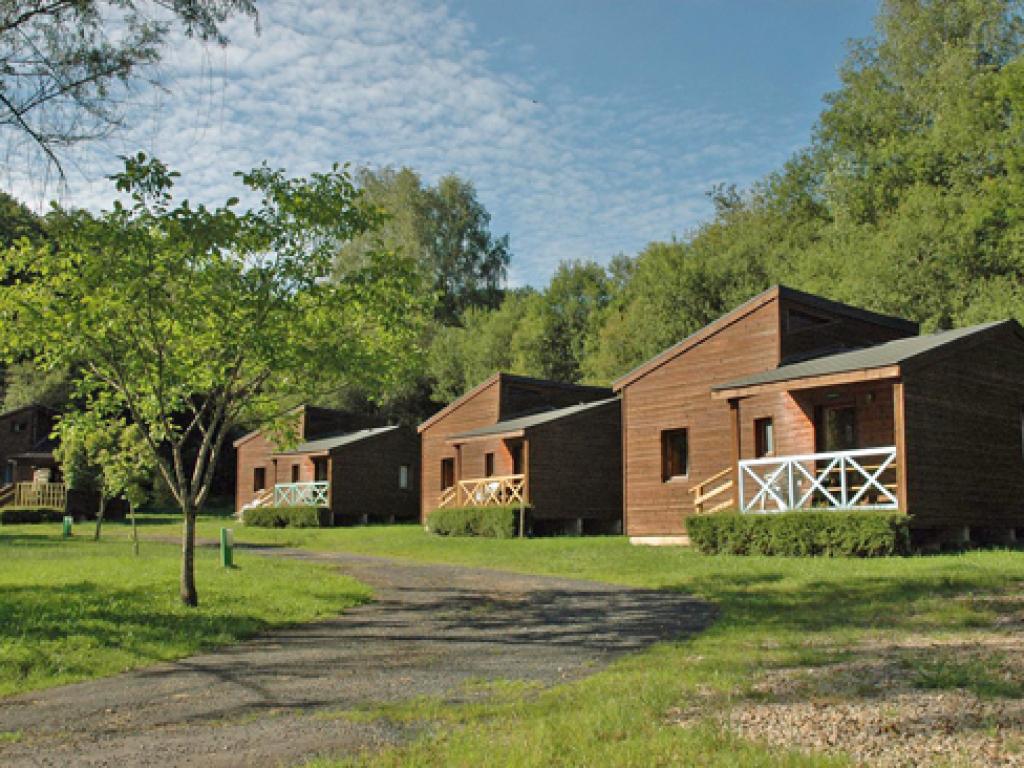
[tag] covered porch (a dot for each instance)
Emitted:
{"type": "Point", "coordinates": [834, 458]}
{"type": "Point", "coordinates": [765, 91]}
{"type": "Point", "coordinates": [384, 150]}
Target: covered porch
{"type": "Point", "coordinates": [486, 470]}
{"type": "Point", "coordinates": [301, 479]}
{"type": "Point", "coordinates": [831, 442]}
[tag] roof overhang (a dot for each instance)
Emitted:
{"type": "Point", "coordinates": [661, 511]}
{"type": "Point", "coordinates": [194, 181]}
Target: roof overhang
{"type": "Point", "coordinates": [809, 382]}
{"type": "Point", "coordinates": [512, 433]}
{"type": "Point", "coordinates": [310, 454]}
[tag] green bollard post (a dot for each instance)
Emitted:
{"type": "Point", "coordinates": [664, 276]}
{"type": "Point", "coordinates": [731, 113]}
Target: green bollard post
{"type": "Point", "coordinates": [225, 548]}
{"type": "Point", "coordinates": [68, 520]}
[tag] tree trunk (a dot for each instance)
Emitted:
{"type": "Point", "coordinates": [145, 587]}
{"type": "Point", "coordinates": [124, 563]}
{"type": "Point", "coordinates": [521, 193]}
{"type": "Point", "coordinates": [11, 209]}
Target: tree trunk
{"type": "Point", "coordinates": [99, 517]}
{"type": "Point", "coordinates": [135, 531]}
{"type": "Point", "coordinates": [188, 562]}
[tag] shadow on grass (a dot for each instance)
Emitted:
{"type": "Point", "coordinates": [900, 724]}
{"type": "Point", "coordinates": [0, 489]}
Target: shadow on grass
{"type": "Point", "coordinates": [145, 520]}
{"type": "Point", "coordinates": [33, 539]}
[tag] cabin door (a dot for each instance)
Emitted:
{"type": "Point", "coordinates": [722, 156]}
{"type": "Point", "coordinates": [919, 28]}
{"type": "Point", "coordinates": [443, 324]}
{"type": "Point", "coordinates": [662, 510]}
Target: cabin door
{"type": "Point", "coordinates": [837, 428]}
{"type": "Point", "coordinates": [515, 450]}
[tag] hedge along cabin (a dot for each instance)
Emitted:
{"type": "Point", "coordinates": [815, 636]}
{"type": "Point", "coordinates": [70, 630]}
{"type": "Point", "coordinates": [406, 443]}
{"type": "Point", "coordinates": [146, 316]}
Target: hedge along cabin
{"type": "Point", "coordinates": [512, 439]}
{"type": "Point", "coordinates": [361, 473]}
{"type": "Point", "coordinates": [679, 450]}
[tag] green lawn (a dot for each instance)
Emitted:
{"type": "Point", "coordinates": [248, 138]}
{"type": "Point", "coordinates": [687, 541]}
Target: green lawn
{"type": "Point", "coordinates": [798, 615]}
{"type": "Point", "coordinates": [71, 610]}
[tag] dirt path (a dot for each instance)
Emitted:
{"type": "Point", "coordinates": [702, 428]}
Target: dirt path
{"type": "Point", "coordinates": [274, 700]}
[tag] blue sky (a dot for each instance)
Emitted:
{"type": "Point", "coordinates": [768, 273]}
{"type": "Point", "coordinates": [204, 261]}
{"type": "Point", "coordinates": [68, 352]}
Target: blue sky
{"type": "Point", "coordinates": [589, 127]}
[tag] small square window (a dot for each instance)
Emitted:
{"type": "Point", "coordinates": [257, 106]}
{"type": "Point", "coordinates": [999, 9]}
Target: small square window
{"type": "Point", "coordinates": [403, 477]}
{"type": "Point", "coordinates": [674, 454]}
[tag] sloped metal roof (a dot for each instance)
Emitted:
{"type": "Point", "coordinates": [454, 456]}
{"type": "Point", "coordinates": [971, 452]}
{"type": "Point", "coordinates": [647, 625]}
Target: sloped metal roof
{"type": "Point", "coordinates": [879, 356]}
{"type": "Point", "coordinates": [532, 420]}
{"type": "Point", "coordinates": [324, 444]}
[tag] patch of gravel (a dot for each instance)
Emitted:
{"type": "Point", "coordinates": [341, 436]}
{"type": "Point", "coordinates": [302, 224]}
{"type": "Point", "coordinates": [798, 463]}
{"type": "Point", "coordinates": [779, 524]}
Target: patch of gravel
{"type": "Point", "coordinates": [893, 705]}
{"type": "Point", "coordinates": [432, 630]}
{"type": "Point", "coordinates": [921, 728]}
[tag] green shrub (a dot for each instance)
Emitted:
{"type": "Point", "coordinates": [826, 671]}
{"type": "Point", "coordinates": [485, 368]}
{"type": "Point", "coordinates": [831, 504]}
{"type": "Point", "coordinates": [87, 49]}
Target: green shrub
{"type": "Point", "coordinates": [852, 534]}
{"type": "Point", "coordinates": [492, 522]}
{"type": "Point", "coordinates": [287, 517]}
{"type": "Point", "coordinates": [30, 515]}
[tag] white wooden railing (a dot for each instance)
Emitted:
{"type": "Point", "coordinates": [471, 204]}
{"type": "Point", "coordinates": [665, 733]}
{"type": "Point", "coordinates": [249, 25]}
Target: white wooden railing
{"type": "Point", "coordinates": [302, 494]}
{"type": "Point", "coordinates": [863, 479]}
{"type": "Point", "coordinates": [486, 492]}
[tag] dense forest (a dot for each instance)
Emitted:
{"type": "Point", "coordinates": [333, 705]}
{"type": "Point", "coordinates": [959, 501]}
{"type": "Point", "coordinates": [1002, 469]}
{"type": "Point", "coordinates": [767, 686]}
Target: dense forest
{"type": "Point", "coordinates": [908, 199]}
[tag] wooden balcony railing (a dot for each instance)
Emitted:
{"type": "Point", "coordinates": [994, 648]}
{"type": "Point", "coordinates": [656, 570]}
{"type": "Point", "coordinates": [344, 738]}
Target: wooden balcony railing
{"type": "Point", "coordinates": [48, 495]}
{"type": "Point", "coordinates": [485, 492]}
{"type": "Point", "coordinates": [714, 494]}
{"type": "Point", "coordinates": [302, 494]}
{"type": "Point", "coordinates": [865, 478]}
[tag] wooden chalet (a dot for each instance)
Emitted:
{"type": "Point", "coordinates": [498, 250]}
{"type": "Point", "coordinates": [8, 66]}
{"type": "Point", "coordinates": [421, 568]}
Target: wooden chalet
{"type": "Point", "coordinates": [31, 475]}
{"type": "Point", "coordinates": [362, 473]}
{"type": "Point", "coordinates": [795, 402]}
{"type": "Point", "coordinates": [514, 439]}
{"type": "Point", "coordinates": [679, 450]}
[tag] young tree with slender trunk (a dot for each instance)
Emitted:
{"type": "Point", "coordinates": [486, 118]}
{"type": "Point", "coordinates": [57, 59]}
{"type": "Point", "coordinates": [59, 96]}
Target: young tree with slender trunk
{"type": "Point", "coordinates": [193, 320]}
{"type": "Point", "coordinates": [106, 455]}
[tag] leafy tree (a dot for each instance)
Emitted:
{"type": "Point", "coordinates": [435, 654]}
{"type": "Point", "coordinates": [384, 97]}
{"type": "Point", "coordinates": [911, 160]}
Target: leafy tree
{"type": "Point", "coordinates": [445, 228]}
{"type": "Point", "coordinates": [568, 318]}
{"type": "Point", "coordinates": [27, 384]}
{"type": "Point", "coordinates": [64, 63]}
{"type": "Point", "coordinates": [17, 221]}
{"type": "Point", "coordinates": [469, 263]}
{"type": "Point", "coordinates": [106, 456]}
{"type": "Point", "coordinates": [488, 340]}
{"type": "Point", "coordinates": [193, 320]}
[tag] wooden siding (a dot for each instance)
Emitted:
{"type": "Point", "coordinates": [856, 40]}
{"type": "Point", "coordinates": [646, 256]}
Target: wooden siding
{"type": "Point", "coordinates": [364, 478]}
{"type": "Point", "coordinates": [965, 460]}
{"type": "Point", "coordinates": [676, 395]}
{"type": "Point", "coordinates": [20, 431]}
{"type": "Point", "coordinates": [252, 452]}
{"type": "Point", "coordinates": [520, 396]}
{"type": "Point", "coordinates": [256, 450]}
{"type": "Point", "coordinates": [477, 411]}
{"type": "Point", "coordinates": [841, 331]}
{"type": "Point", "coordinates": [576, 467]}
{"type": "Point", "coordinates": [501, 397]}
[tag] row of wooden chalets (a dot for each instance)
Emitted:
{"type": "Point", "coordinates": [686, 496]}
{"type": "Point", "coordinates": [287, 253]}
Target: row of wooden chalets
{"type": "Point", "coordinates": [790, 401]}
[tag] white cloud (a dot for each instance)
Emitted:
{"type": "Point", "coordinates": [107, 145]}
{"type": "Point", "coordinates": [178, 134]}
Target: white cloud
{"type": "Point", "coordinates": [406, 83]}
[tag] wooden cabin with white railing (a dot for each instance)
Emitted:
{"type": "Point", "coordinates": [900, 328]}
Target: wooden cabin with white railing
{"type": "Point", "coordinates": [792, 401]}
{"type": "Point", "coordinates": [550, 448]}
{"type": "Point", "coordinates": [360, 473]}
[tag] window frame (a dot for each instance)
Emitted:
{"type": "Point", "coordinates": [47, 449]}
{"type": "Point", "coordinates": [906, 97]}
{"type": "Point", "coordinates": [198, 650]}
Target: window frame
{"type": "Point", "coordinates": [667, 463]}
{"type": "Point", "coordinates": [1020, 412]}
{"type": "Point", "coordinates": [446, 463]}
{"type": "Point", "coordinates": [764, 441]}
{"type": "Point", "coordinates": [259, 479]}
{"type": "Point", "coordinates": [489, 464]}
{"type": "Point", "coordinates": [404, 475]}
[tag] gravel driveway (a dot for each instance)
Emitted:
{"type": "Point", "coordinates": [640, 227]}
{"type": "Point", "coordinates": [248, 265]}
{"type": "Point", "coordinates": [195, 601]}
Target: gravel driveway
{"type": "Point", "coordinates": [270, 701]}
